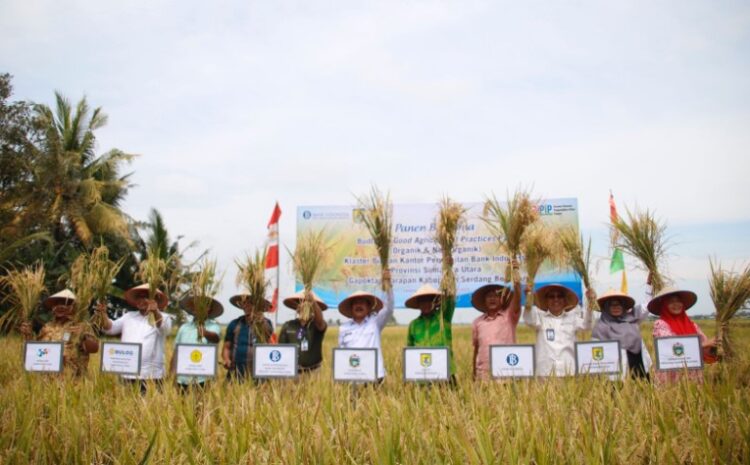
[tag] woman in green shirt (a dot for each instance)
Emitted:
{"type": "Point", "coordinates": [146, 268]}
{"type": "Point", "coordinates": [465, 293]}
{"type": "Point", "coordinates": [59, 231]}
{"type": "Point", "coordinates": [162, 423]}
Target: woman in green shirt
{"type": "Point", "coordinates": [432, 328]}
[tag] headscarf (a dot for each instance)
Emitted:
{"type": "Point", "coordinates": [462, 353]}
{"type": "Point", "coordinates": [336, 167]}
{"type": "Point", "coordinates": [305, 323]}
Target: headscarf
{"type": "Point", "coordinates": [624, 328]}
{"type": "Point", "coordinates": [679, 324]}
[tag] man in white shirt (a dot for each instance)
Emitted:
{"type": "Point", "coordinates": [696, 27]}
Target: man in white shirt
{"type": "Point", "coordinates": [135, 327]}
{"type": "Point", "coordinates": [556, 318]}
{"type": "Point", "coordinates": [366, 324]}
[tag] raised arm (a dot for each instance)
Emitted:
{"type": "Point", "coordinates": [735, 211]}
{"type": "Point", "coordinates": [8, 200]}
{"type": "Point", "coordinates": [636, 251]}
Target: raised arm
{"type": "Point", "coordinates": [385, 314]}
{"type": "Point", "coordinates": [530, 317]}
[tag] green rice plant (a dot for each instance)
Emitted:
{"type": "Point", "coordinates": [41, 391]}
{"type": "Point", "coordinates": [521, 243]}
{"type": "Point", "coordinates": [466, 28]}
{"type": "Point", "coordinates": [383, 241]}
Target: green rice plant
{"type": "Point", "coordinates": [574, 254]}
{"type": "Point", "coordinates": [203, 288]}
{"type": "Point", "coordinates": [451, 215]}
{"type": "Point", "coordinates": [24, 289]}
{"type": "Point", "coordinates": [642, 235]}
{"type": "Point", "coordinates": [377, 215]}
{"type": "Point", "coordinates": [309, 259]}
{"type": "Point", "coordinates": [507, 222]}
{"type": "Point", "coordinates": [538, 244]}
{"type": "Point", "coordinates": [730, 291]}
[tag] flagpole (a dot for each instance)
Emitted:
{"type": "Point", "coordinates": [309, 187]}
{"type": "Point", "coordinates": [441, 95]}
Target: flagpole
{"type": "Point", "coordinates": [278, 270]}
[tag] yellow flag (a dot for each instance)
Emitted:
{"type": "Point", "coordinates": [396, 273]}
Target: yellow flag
{"type": "Point", "coordinates": [624, 283]}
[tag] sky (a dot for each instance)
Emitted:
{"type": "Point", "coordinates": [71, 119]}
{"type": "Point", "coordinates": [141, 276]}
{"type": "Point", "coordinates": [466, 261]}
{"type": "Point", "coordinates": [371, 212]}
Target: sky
{"type": "Point", "coordinates": [234, 105]}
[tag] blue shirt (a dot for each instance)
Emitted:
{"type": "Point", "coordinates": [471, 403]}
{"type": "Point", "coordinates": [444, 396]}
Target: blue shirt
{"type": "Point", "coordinates": [243, 338]}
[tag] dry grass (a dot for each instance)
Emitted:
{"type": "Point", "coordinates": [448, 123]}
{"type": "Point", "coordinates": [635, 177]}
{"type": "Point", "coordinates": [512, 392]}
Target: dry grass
{"type": "Point", "coordinates": [730, 291]}
{"type": "Point", "coordinates": [24, 291]}
{"type": "Point", "coordinates": [203, 288]}
{"type": "Point", "coordinates": [451, 215]}
{"type": "Point", "coordinates": [538, 244]}
{"type": "Point", "coordinates": [310, 258]}
{"type": "Point", "coordinates": [377, 216]}
{"type": "Point", "coordinates": [643, 236]}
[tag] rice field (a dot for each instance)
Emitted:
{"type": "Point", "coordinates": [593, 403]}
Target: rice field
{"type": "Point", "coordinates": [46, 419]}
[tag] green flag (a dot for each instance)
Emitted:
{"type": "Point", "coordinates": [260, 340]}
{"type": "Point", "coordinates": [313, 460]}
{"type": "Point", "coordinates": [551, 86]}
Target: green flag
{"type": "Point", "coordinates": [618, 262]}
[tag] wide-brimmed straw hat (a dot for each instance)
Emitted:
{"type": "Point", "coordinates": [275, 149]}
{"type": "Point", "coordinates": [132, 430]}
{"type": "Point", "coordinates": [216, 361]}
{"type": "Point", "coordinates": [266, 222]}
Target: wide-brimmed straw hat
{"type": "Point", "coordinates": [424, 291]}
{"type": "Point", "coordinates": [295, 299]}
{"type": "Point", "coordinates": [64, 297]}
{"type": "Point", "coordinates": [540, 296]}
{"type": "Point", "coordinates": [345, 307]}
{"type": "Point", "coordinates": [688, 299]}
{"type": "Point", "coordinates": [237, 300]}
{"type": "Point", "coordinates": [134, 293]}
{"type": "Point", "coordinates": [188, 303]}
{"type": "Point", "coordinates": [612, 294]}
{"type": "Point", "coordinates": [477, 298]}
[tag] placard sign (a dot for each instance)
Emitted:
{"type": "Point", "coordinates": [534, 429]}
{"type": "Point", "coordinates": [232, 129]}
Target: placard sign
{"type": "Point", "coordinates": [196, 359]}
{"type": "Point", "coordinates": [598, 357]}
{"type": "Point", "coordinates": [355, 365]}
{"type": "Point", "coordinates": [426, 364]}
{"type": "Point", "coordinates": [512, 361]}
{"type": "Point", "coordinates": [275, 361]}
{"type": "Point", "coordinates": [44, 357]}
{"type": "Point", "coordinates": [678, 353]}
{"type": "Point", "coordinates": [121, 358]}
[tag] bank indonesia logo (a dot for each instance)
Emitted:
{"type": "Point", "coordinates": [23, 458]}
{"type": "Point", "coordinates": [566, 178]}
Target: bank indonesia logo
{"type": "Point", "coordinates": [512, 359]}
{"type": "Point", "coordinates": [275, 356]}
{"type": "Point", "coordinates": [306, 214]}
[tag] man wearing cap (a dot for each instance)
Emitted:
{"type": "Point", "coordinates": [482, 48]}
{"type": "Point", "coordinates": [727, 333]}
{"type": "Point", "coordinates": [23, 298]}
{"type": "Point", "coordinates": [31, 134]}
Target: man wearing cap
{"type": "Point", "coordinates": [432, 328]}
{"type": "Point", "coordinates": [78, 339]}
{"type": "Point", "coordinates": [306, 335]}
{"type": "Point", "coordinates": [556, 318]}
{"type": "Point", "coordinates": [191, 333]}
{"type": "Point", "coordinates": [501, 310]}
{"type": "Point", "coordinates": [135, 327]}
{"type": "Point", "coordinates": [367, 322]}
{"type": "Point", "coordinates": [243, 333]}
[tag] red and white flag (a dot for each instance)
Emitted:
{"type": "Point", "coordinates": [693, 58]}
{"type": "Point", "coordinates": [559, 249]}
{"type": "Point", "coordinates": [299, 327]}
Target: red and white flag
{"type": "Point", "coordinates": [272, 255]}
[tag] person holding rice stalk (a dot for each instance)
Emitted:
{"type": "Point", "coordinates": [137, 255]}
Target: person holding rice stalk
{"type": "Point", "coordinates": [79, 341]}
{"type": "Point", "coordinates": [195, 332]}
{"type": "Point", "coordinates": [671, 305]}
{"type": "Point", "coordinates": [501, 310]}
{"type": "Point", "coordinates": [148, 326]}
{"type": "Point", "coordinates": [243, 333]}
{"type": "Point", "coordinates": [556, 324]}
{"type": "Point", "coordinates": [305, 332]}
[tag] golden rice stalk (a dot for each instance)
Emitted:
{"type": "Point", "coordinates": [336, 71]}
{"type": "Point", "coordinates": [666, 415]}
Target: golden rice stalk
{"type": "Point", "coordinates": [508, 223]}
{"type": "Point", "coordinates": [377, 216]}
{"type": "Point", "coordinates": [82, 282]}
{"type": "Point", "coordinates": [152, 270]}
{"type": "Point", "coordinates": [104, 271]}
{"type": "Point", "coordinates": [251, 276]}
{"type": "Point", "coordinates": [730, 291]}
{"type": "Point", "coordinates": [642, 236]}
{"type": "Point", "coordinates": [451, 215]}
{"type": "Point", "coordinates": [576, 256]}
{"type": "Point", "coordinates": [309, 259]}
{"type": "Point", "coordinates": [538, 244]}
{"type": "Point", "coordinates": [204, 286]}
{"type": "Point", "coordinates": [24, 291]}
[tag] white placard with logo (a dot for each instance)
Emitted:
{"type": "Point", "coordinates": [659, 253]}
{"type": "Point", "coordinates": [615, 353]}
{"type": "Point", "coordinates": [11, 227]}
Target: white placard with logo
{"type": "Point", "coordinates": [45, 357]}
{"type": "Point", "coordinates": [196, 359]}
{"type": "Point", "coordinates": [512, 361]}
{"type": "Point", "coordinates": [275, 361]}
{"type": "Point", "coordinates": [355, 365]}
{"type": "Point", "coordinates": [426, 364]}
{"type": "Point", "coordinates": [121, 358]}
{"type": "Point", "coordinates": [678, 353]}
{"type": "Point", "coordinates": [598, 357]}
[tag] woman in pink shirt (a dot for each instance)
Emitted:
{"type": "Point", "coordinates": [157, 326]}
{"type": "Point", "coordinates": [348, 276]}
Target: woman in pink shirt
{"type": "Point", "coordinates": [502, 310]}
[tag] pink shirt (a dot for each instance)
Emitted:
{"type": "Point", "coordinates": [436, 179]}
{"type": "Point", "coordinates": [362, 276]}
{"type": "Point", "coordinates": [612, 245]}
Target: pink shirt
{"type": "Point", "coordinates": [487, 331]}
{"type": "Point", "coordinates": [662, 329]}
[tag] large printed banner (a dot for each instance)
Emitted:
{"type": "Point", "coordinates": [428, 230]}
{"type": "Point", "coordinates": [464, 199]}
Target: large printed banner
{"type": "Point", "coordinates": [415, 256]}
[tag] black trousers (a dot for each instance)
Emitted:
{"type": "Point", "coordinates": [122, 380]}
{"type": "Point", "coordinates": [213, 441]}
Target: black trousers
{"type": "Point", "coordinates": [635, 363]}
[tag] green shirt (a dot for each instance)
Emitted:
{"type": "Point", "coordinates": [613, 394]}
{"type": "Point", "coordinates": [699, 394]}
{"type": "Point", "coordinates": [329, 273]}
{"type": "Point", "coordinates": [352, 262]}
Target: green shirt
{"type": "Point", "coordinates": [309, 340]}
{"type": "Point", "coordinates": [425, 331]}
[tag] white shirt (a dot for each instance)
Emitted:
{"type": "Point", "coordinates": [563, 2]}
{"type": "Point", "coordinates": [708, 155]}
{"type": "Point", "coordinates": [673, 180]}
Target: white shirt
{"type": "Point", "coordinates": [366, 335]}
{"type": "Point", "coordinates": [135, 328]}
{"type": "Point", "coordinates": [555, 339]}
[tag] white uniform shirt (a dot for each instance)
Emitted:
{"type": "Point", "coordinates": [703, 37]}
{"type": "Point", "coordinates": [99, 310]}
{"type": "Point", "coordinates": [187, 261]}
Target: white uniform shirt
{"type": "Point", "coordinates": [555, 339]}
{"type": "Point", "coordinates": [366, 335]}
{"type": "Point", "coordinates": [135, 328]}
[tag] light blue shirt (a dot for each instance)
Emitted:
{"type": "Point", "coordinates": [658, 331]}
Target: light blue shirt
{"type": "Point", "coordinates": [188, 334]}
